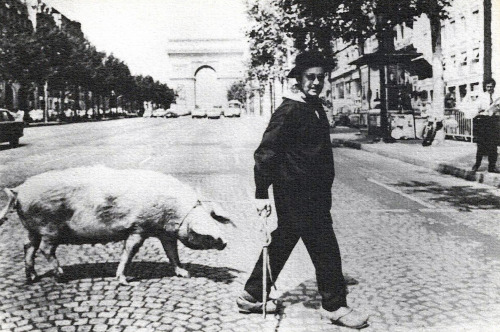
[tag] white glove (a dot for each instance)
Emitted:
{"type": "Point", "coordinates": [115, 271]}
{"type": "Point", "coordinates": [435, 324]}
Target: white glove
{"type": "Point", "coordinates": [263, 207]}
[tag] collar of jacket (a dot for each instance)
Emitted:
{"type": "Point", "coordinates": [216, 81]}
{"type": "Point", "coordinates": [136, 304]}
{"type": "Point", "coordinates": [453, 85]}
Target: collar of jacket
{"type": "Point", "coordinates": [301, 97]}
{"type": "Point", "coordinates": [295, 94]}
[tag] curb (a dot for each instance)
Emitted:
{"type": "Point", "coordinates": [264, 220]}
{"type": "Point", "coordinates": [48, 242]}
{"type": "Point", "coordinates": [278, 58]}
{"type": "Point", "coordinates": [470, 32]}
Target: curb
{"type": "Point", "coordinates": [443, 168]}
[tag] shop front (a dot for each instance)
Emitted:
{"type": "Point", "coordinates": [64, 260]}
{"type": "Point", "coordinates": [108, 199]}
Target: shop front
{"type": "Point", "coordinates": [387, 90]}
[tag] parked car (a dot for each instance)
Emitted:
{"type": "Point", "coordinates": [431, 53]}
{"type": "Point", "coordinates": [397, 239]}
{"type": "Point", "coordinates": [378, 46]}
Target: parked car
{"type": "Point", "coordinates": [10, 129]}
{"type": "Point", "coordinates": [131, 113]}
{"type": "Point", "coordinates": [214, 112]}
{"type": "Point", "coordinates": [199, 112]}
{"type": "Point", "coordinates": [178, 110]}
{"type": "Point", "coordinates": [158, 113]}
{"type": "Point", "coordinates": [233, 109]}
{"type": "Point", "coordinates": [171, 114]}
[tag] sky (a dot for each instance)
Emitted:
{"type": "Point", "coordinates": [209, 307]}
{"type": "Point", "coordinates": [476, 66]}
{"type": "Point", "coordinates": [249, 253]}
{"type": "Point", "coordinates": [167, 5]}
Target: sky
{"type": "Point", "coordinates": [137, 31]}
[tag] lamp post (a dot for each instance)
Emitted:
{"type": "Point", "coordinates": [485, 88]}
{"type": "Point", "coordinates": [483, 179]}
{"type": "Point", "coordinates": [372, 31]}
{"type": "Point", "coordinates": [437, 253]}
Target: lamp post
{"type": "Point", "coordinates": [386, 45]}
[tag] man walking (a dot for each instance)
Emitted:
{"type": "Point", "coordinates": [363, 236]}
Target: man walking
{"type": "Point", "coordinates": [486, 128]}
{"type": "Point", "coordinates": [295, 156]}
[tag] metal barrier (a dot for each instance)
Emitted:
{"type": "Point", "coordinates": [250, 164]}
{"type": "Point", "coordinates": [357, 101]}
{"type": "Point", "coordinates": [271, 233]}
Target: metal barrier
{"type": "Point", "coordinates": [457, 126]}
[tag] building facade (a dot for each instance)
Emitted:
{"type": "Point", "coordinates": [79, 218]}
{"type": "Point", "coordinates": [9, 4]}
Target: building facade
{"type": "Point", "coordinates": [356, 89]}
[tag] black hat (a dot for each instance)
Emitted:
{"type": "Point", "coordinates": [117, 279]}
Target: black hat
{"type": "Point", "coordinates": [310, 59]}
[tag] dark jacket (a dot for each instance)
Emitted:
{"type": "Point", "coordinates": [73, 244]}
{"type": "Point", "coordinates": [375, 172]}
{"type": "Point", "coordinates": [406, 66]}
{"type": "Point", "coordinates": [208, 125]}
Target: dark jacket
{"type": "Point", "coordinates": [487, 129]}
{"type": "Point", "coordinates": [295, 150]}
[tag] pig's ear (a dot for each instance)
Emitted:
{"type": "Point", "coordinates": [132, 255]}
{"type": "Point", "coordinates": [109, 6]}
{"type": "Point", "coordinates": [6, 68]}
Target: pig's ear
{"type": "Point", "coordinates": [220, 215]}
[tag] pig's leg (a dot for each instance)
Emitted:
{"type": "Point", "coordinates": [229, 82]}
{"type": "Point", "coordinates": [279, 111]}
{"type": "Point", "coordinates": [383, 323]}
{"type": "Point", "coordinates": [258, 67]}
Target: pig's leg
{"type": "Point", "coordinates": [130, 248]}
{"type": "Point", "coordinates": [169, 244]}
{"type": "Point", "coordinates": [30, 248]}
{"type": "Point", "coordinates": [48, 249]}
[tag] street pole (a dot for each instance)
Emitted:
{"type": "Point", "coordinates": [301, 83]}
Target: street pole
{"type": "Point", "coordinates": [385, 38]}
{"type": "Point", "coordinates": [46, 97]}
{"type": "Point", "coordinates": [384, 121]}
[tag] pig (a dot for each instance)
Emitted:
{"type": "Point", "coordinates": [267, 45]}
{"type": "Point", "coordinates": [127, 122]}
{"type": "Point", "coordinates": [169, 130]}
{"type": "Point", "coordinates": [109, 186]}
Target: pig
{"type": "Point", "coordinates": [97, 204]}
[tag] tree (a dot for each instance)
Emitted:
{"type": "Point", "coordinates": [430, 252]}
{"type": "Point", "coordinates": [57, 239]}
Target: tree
{"type": "Point", "coordinates": [237, 91]}
{"type": "Point", "coordinates": [69, 65]}
{"type": "Point", "coordinates": [314, 24]}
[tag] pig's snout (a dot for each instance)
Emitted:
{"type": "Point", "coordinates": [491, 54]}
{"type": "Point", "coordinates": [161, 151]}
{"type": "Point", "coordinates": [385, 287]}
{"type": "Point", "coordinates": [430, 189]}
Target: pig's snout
{"type": "Point", "coordinates": [203, 242]}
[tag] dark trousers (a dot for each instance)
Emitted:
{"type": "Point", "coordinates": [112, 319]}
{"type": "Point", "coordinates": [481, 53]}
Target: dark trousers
{"type": "Point", "coordinates": [488, 149]}
{"type": "Point", "coordinates": [304, 214]}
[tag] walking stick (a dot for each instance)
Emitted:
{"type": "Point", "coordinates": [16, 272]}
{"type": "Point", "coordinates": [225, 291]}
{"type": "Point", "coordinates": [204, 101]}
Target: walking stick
{"type": "Point", "coordinates": [265, 264]}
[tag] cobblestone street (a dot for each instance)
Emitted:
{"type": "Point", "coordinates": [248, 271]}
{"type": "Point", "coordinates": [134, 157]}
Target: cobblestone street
{"type": "Point", "coordinates": [423, 262]}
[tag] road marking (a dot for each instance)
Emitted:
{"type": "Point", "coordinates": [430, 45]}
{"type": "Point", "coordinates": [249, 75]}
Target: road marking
{"type": "Point", "coordinates": [419, 201]}
{"type": "Point", "coordinates": [145, 160]}
{"type": "Point", "coordinates": [398, 210]}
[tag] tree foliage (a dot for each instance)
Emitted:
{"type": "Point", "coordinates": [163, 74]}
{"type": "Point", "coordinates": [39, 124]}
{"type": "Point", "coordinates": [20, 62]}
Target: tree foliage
{"type": "Point", "coordinates": [71, 63]}
{"type": "Point", "coordinates": [314, 24]}
{"type": "Point", "coordinates": [237, 91]}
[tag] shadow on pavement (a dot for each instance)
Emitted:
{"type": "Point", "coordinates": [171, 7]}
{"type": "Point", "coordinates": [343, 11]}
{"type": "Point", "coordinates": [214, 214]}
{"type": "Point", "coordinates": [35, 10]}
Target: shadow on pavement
{"type": "Point", "coordinates": [147, 270]}
{"type": "Point", "coordinates": [462, 197]}
{"type": "Point", "coordinates": [305, 294]}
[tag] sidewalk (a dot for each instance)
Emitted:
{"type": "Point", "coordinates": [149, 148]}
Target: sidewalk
{"type": "Point", "coordinates": [451, 157]}
{"type": "Point", "coordinates": [58, 123]}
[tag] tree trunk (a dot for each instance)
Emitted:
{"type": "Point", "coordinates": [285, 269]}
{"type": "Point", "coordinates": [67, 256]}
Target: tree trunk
{"type": "Point", "coordinates": [271, 95]}
{"type": "Point", "coordinates": [46, 99]}
{"type": "Point", "coordinates": [437, 67]}
{"type": "Point", "coordinates": [261, 97]}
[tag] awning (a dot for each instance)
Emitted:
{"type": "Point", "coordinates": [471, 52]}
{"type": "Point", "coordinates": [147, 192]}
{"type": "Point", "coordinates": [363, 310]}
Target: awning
{"type": "Point", "coordinates": [420, 67]}
{"type": "Point", "coordinates": [383, 58]}
{"type": "Point", "coordinates": [413, 61]}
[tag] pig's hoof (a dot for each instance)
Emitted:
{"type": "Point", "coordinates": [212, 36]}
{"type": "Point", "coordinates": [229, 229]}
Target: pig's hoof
{"type": "Point", "coordinates": [122, 280]}
{"type": "Point", "coordinates": [180, 272]}
{"type": "Point", "coordinates": [61, 278]}
{"type": "Point", "coordinates": [31, 278]}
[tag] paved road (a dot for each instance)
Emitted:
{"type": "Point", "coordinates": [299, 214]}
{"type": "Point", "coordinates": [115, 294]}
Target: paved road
{"type": "Point", "coordinates": [425, 247]}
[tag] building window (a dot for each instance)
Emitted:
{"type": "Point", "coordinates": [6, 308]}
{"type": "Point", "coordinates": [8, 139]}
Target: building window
{"type": "Point", "coordinates": [475, 55]}
{"type": "Point", "coordinates": [462, 89]}
{"type": "Point", "coordinates": [474, 91]}
{"type": "Point", "coordinates": [463, 24]}
{"type": "Point", "coordinates": [340, 90]}
{"type": "Point", "coordinates": [475, 18]}
{"type": "Point", "coordinates": [452, 30]}
{"type": "Point", "coordinates": [444, 63]}
{"type": "Point", "coordinates": [348, 89]}
{"type": "Point", "coordinates": [463, 59]}
{"type": "Point", "coordinates": [453, 60]}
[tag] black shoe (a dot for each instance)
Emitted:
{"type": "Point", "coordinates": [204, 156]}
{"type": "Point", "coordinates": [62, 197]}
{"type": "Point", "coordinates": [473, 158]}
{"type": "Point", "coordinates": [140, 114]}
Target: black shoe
{"type": "Point", "coordinates": [248, 304]}
{"type": "Point", "coordinates": [350, 281]}
{"type": "Point", "coordinates": [493, 170]}
{"type": "Point", "coordinates": [475, 168]}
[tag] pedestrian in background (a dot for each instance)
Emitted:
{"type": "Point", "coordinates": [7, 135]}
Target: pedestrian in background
{"type": "Point", "coordinates": [486, 127]}
{"type": "Point", "coordinates": [296, 157]}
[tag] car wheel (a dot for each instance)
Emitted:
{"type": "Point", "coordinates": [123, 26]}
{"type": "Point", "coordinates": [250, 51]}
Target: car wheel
{"type": "Point", "coordinates": [14, 142]}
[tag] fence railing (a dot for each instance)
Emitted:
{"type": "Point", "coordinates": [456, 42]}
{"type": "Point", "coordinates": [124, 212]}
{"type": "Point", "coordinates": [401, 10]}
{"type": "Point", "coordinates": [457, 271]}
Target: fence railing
{"type": "Point", "coordinates": [457, 126]}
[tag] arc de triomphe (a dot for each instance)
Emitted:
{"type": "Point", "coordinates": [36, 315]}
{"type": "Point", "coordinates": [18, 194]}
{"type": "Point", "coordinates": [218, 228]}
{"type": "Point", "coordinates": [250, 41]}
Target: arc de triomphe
{"type": "Point", "coordinates": [203, 69]}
